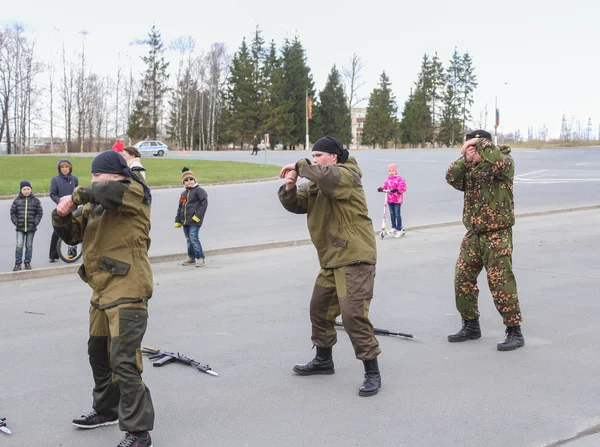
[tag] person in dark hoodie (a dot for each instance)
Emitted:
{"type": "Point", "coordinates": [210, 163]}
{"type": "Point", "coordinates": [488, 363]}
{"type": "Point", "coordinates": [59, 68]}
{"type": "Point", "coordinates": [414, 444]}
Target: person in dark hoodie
{"type": "Point", "coordinates": [61, 185]}
{"type": "Point", "coordinates": [26, 214]}
{"type": "Point", "coordinates": [190, 215]}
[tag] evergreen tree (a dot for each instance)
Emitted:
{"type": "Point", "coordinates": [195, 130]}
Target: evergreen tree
{"type": "Point", "coordinates": [451, 123]}
{"type": "Point", "coordinates": [381, 122]}
{"type": "Point", "coordinates": [416, 126]}
{"type": "Point", "coordinates": [275, 114]}
{"type": "Point", "coordinates": [148, 107]}
{"type": "Point", "coordinates": [240, 115]}
{"type": "Point", "coordinates": [333, 109]}
{"type": "Point", "coordinates": [467, 83]}
{"type": "Point", "coordinates": [297, 81]}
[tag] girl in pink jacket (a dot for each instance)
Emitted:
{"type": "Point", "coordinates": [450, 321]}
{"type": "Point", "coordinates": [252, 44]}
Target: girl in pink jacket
{"type": "Point", "coordinates": [397, 187]}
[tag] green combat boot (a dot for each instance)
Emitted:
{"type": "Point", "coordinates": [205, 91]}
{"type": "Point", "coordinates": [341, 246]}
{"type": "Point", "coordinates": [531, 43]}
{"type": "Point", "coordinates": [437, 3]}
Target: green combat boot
{"type": "Point", "coordinates": [321, 364]}
{"type": "Point", "coordinates": [470, 331]}
{"type": "Point", "coordinates": [514, 339]}
{"type": "Point", "coordinates": [372, 382]}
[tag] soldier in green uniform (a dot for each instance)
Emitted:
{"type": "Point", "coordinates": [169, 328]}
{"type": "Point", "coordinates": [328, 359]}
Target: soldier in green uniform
{"type": "Point", "coordinates": [485, 174]}
{"type": "Point", "coordinates": [342, 232]}
{"type": "Point", "coordinates": [114, 226]}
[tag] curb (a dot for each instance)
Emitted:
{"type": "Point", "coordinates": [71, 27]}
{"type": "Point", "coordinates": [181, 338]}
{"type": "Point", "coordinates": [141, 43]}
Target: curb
{"type": "Point", "coordinates": [157, 259]}
{"type": "Point", "coordinates": [173, 186]}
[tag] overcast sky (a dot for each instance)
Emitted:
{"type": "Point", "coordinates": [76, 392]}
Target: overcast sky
{"type": "Point", "coordinates": [540, 58]}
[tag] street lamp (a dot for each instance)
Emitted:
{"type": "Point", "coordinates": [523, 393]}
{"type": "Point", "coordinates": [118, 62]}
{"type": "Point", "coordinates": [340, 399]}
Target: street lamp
{"type": "Point", "coordinates": [497, 119]}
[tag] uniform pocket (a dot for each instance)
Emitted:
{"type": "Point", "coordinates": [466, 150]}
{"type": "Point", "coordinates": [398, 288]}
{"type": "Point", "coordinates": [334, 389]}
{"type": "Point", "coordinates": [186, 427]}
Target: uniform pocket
{"type": "Point", "coordinates": [113, 266]}
{"type": "Point", "coordinates": [360, 279]}
{"type": "Point", "coordinates": [336, 241]}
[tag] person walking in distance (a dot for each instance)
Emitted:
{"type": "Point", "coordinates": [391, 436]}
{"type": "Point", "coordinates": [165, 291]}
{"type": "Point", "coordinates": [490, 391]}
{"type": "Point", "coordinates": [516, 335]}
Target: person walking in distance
{"type": "Point", "coordinates": [396, 186]}
{"type": "Point", "coordinates": [254, 146]}
{"type": "Point", "coordinates": [485, 174]}
{"type": "Point", "coordinates": [342, 232]}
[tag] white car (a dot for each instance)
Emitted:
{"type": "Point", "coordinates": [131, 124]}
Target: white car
{"type": "Point", "coordinates": [154, 147]}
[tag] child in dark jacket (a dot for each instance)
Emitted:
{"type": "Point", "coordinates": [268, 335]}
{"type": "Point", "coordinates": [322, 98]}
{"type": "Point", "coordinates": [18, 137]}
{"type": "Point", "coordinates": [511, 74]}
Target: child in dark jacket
{"type": "Point", "coordinates": [26, 214]}
{"type": "Point", "coordinates": [61, 185]}
{"type": "Point", "coordinates": [190, 214]}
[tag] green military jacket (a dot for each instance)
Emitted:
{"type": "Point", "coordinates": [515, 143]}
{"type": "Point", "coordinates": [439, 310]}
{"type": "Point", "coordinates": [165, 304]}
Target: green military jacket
{"type": "Point", "coordinates": [488, 188]}
{"type": "Point", "coordinates": [114, 226]}
{"type": "Point", "coordinates": [337, 215]}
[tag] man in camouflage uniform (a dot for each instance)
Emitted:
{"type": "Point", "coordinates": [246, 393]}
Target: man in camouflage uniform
{"type": "Point", "coordinates": [485, 173]}
{"type": "Point", "coordinates": [342, 232]}
{"type": "Point", "coordinates": [114, 226]}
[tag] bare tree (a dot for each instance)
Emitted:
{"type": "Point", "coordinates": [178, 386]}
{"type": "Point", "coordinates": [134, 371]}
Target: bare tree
{"type": "Point", "coordinates": [352, 81]}
{"type": "Point", "coordinates": [218, 70]}
{"type": "Point", "coordinates": [81, 95]}
{"type": "Point", "coordinates": [67, 98]}
{"type": "Point", "coordinates": [118, 91]}
{"type": "Point", "coordinates": [483, 118]}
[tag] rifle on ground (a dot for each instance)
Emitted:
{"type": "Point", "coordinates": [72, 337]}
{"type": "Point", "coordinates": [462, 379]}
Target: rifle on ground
{"type": "Point", "coordinates": [3, 426]}
{"type": "Point", "coordinates": [383, 331]}
{"type": "Point", "coordinates": [164, 357]}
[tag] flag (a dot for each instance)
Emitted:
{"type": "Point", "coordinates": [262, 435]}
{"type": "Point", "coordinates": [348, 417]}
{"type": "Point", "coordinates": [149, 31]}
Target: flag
{"type": "Point", "coordinates": [309, 108]}
{"type": "Point", "coordinates": [497, 117]}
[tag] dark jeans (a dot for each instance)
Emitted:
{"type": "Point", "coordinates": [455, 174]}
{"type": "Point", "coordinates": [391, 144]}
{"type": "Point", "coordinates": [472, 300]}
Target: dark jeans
{"type": "Point", "coordinates": [194, 247]}
{"type": "Point", "coordinates": [395, 215]}
{"type": "Point", "coordinates": [53, 242]}
{"type": "Point", "coordinates": [27, 240]}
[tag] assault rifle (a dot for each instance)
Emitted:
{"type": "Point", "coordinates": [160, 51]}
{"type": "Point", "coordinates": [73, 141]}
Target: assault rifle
{"type": "Point", "coordinates": [383, 331]}
{"type": "Point", "coordinates": [164, 357]}
{"type": "Point", "coordinates": [3, 426]}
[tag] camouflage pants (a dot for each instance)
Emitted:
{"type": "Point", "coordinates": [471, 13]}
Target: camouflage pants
{"type": "Point", "coordinates": [492, 250]}
{"type": "Point", "coordinates": [115, 355]}
{"type": "Point", "coordinates": [347, 291]}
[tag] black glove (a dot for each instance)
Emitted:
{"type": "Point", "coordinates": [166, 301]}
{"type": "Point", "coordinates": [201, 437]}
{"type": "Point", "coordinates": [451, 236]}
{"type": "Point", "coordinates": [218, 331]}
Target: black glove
{"type": "Point", "coordinates": [394, 190]}
{"type": "Point", "coordinates": [380, 189]}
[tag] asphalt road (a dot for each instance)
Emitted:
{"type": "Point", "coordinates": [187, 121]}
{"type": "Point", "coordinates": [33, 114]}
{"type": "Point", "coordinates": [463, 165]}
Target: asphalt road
{"type": "Point", "coordinates": [249, 213]}
{"type": "Point", "coordinates": [247, 316]}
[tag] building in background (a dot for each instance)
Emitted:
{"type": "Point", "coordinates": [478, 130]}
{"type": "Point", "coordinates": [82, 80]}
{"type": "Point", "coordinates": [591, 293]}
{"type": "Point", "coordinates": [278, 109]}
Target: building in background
{"type": "Point", "coordinates": [358, 115]}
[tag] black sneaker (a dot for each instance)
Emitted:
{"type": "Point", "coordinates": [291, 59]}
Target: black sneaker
{"type": "Point", "coordinates": [27, 265]}
{"type": "Point", "coordinates": [17, 267]}
{"type": "Point", "coordinates": [137, 439]}
{"type": "Point", "coordinates": [94, 420]}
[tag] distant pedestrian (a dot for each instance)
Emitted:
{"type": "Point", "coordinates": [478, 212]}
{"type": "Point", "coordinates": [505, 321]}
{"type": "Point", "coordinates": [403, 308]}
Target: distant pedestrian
{"type": "Point", "coordinates": [254, 146]}
{"type": "Point", "coordinates": [132, 156]}
{"type": "Point", "coordinates": [485, 174]}
{"type": "Point", "coordinates": [61, 185]}
{"type": "Point", "coordinates": [193, 203]}
{"type": "Point", "coordinates": [26, 213]}
{"type": "Point", "coordinates": [118, 146]}
{"type": "Point", "coordinates": [396, 186]}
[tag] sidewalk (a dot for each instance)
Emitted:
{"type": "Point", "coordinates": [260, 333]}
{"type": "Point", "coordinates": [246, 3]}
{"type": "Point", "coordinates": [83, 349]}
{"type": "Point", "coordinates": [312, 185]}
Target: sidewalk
{"type": "Point", "coordinates": [246, 314]}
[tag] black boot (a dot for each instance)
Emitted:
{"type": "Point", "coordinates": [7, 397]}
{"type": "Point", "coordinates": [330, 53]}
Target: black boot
{"type": "Point", "coordinates": [514, 339]}
{"type": "Point", "coordinates": [17, 267]}
{"type": "Point", "coordinates": [27, 265]}
{"type": "Point", "coordinates": [372, 382]}
{"type": "Point", "coordinates": [321, 364]}
{"type": "Point", "coordinates": [470, 331]}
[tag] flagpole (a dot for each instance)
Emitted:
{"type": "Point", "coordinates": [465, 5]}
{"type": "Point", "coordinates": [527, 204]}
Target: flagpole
{"type": "Point", "coordinates": [306, 106]}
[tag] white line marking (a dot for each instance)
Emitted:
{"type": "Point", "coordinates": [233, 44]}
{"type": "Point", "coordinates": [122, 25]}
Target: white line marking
{"type": "Point", "coordinates": [530, 173]}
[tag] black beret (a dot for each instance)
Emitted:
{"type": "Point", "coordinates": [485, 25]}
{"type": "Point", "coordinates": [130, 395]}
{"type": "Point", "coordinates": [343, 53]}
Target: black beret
{"type": "Point", "coordinates": [479, 134]}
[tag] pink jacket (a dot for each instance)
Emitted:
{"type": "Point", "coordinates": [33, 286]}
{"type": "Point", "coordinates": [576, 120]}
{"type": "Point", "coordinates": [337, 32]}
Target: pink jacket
{"type": "Point", "coordinates": [395, 182]}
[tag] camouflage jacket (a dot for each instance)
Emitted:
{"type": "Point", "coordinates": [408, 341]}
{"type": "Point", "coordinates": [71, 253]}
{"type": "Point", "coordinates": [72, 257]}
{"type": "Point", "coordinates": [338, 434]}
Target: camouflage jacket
{"type": "Point", "coordinates": [337, 215]}
{"type": "Point", "coordinates": [114, 226]}
{"type": "Point", "coordinates": [488, 188]}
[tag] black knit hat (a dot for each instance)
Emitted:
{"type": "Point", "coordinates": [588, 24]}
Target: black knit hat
{"type": "Point", "coordinates": [479, 134]}
{"type": "Point", "coordinates": [24, 183]}
{"type": "Point", "coordinates": [331, 145]}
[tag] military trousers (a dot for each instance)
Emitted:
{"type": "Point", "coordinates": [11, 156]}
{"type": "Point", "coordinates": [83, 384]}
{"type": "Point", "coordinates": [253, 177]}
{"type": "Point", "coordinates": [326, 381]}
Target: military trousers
{"type": "Point", "coordinates": [347, 291]}
{"type": "Point", "coordinates": [115, 355]}
{"type": "Point", "coordinates": [492, 250]}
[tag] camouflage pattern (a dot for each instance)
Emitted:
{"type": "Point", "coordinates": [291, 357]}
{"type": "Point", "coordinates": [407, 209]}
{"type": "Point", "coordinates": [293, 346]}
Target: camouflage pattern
{"type": "Point", "coordinates": [492, 250]}
{"type": "Point", "coordinates": [345, 291]}
{"type": "Point", "coordinates": [488, 188]}
{"type": "Point", "coordinates": [488, 215]}
{"type": "Point", "coordinates": [337, 215]}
